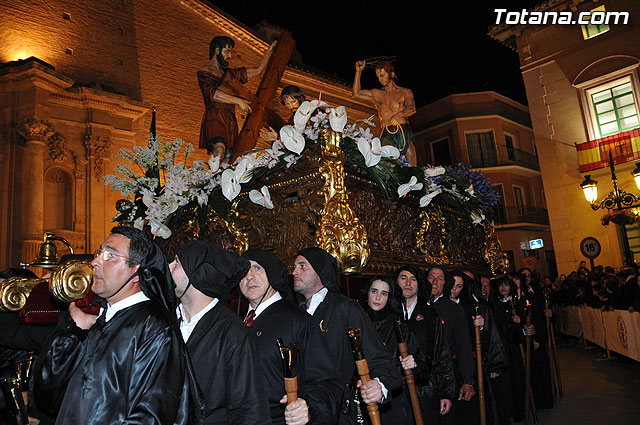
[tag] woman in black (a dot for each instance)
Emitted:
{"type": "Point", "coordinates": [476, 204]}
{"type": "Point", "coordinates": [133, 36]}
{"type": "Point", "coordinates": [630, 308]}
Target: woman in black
{"type": "Point", "coordinates": [384, 309]}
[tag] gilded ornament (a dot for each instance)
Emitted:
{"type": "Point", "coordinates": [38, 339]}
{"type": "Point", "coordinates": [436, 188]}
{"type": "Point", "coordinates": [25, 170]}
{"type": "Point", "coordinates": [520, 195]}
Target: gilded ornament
{"type": "Point", "coordinates": [71, 281]}
{"type": "Point", "coordinates": [14, 292]}
{"type": "Point", "coordinates": [339, 232]}
{"type": "Point", "coordinates": [493, 254]}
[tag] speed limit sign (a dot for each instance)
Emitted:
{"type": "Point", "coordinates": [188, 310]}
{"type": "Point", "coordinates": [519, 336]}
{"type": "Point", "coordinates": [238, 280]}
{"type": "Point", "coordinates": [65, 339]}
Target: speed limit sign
{"type": "Point", "coordinates": [590, 247]}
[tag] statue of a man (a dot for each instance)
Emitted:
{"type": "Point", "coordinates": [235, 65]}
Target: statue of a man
{"type": "Point", "coordinates": [394, 105]}
{"type": "Point", "coordinates": [221, 89]}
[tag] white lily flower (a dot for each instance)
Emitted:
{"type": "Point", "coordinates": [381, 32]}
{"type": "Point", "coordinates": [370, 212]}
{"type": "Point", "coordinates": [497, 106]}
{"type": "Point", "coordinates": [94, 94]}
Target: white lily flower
{"type": "Point", "coordinates": [214, 164]}
{"type": "Point", "coordinates": [244, 168]}
{"type": "Point", "coordinates": [372, 151]}
{"type": "Point", "coordinates": [434, 171]}
{"type": "Point", "coordinates": [261, 198]}
{"type": "Point", "coordinates": [302, 115]}
{"type": "Point", "coordinates": [426, 199]}
{"type": "Point", "coordinates": [148, 199]}
{"type": "Point", "coordinates": [338, 118]}
{"type": "Point", "coordinates": [469, 190]}
{"type": "Point", "coordinates": [292, 139]}
{"type": "Point", "coordinates": [139, 223]}
{"type": "Point", "coordinates": [405, 188]}
{"type": "Point", "coordinates": [159, 229]}
{"type": "Point", "coordinates": [477, 217]}
{"type": "Point", "coordinates": [230, 186]}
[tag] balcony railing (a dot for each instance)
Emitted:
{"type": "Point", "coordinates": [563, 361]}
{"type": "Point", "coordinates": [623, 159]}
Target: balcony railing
{"type": "Point", "coordinates": [625, 147]}
{"type": "Point", "coordinates": [493, 158]}
{"type": "Point", "coordinates": [523, 214]}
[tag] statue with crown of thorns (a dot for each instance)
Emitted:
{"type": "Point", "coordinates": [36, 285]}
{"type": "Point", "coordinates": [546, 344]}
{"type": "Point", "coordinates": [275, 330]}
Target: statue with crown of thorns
{"type": "Point", "coordinates": [394, 104]}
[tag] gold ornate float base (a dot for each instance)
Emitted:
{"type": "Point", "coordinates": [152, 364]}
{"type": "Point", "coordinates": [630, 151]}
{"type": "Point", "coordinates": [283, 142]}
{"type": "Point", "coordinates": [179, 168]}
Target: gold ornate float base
{"type": "Point", "coordinates": [323, 200]}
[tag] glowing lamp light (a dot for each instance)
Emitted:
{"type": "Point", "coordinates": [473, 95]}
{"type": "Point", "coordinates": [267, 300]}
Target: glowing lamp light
{"type": "Point", "coordinates": [636, 174]}
{"type": "Point", "coordinates": [590, 188]}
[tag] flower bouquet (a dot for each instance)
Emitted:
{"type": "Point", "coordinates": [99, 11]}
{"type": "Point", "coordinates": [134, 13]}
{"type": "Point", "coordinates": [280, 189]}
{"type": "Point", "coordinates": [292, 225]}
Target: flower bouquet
{"type": "Point", "coordinates": [624, 217]}
{"type": "Point", "coordinates": [163, 191]}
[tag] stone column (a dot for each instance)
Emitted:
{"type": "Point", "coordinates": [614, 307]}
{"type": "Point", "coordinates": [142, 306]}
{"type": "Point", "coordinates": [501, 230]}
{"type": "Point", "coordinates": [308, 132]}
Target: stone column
{"type": "Point", "coordinates": [35, 132]}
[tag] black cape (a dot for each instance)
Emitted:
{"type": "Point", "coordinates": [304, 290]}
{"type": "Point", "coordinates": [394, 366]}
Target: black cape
{"type": "Point", "coordinates": [228, 370]}
{"type": "Point", "coordinates": [318, 383]}
{"type": "Point", "coordinates": [333, 316]}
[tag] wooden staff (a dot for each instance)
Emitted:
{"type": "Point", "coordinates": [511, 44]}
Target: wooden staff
{"type": "Point", "coordinates": [289, 362]}
{"type": "Point", "coordinates": [531, 402]}
{"type": "Point", "coordinates": [527, 368]}
{"type": "Point", "coordinates": [483, 413]}
{"type": "Point", "coordinates": [550, 354]}
{"type": "Point", "coordinates": [363, 371]}
{"type": "Point", "coordinates": [555, 358]}
{"type": "Point", "coordinates": [408, 373]}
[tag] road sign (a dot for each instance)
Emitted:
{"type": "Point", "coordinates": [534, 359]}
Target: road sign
{"type": "Point", "coordinates": [590, 247]}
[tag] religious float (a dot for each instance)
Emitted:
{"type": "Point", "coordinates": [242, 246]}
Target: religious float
{"type": "Point", "coordinates": [323, 183]}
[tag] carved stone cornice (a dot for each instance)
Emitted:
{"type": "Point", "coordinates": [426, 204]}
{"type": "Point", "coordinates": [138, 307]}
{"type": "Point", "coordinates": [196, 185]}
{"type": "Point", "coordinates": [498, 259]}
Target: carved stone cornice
{"type": "Point", "coordinates": [233, 28]}
{"type": "Point", "coordinates": [99, 149]}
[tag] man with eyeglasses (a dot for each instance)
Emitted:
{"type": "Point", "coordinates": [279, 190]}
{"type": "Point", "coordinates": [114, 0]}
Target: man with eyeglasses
{"type": "Point", "coordinates": [273, 315]}
{"type": "Point", "coordinates": [130, 364]}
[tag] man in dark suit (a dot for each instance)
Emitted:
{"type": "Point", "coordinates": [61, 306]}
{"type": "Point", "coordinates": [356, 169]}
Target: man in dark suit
{"type": "Point", "coordinates": [435, 394]}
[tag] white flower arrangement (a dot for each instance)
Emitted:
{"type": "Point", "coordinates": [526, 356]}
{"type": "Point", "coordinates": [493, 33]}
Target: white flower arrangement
{"type": "Point", "coordinates": [166, 186]}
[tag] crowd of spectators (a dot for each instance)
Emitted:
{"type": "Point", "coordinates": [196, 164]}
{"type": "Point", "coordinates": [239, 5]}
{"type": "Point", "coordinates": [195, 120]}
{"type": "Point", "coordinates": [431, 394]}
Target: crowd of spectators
{"type": "Point", "coordinates": [603, 287]}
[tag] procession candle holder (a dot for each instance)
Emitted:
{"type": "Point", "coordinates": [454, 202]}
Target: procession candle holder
{"type": "Point", "coordinates": [289, 357]}
{"type": "Point", "coordinates": [363, 371]}
{"type": "Point", "coordinates": [408, 373]}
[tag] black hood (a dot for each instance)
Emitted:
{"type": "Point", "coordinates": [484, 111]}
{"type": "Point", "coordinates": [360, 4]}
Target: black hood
{"type": "Point", "coordinates": [212, 270]}
{"type": "Point", "coordinates": [325, 265]}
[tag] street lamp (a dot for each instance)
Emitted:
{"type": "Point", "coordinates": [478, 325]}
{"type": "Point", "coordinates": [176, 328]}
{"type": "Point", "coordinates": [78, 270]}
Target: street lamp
{"type": "Point", "coordinates": [616, 200]}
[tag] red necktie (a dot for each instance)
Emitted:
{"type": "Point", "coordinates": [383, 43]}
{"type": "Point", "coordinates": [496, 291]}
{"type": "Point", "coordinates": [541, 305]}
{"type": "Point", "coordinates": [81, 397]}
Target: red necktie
{"type": "Point", "coordinates": [249, 319]}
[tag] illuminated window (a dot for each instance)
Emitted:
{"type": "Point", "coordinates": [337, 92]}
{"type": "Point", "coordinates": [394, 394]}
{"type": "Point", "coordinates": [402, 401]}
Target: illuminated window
{"type": "Point", "coordinates": [592, 30]}
{"type": "Point", "coordinates": [614, 107]}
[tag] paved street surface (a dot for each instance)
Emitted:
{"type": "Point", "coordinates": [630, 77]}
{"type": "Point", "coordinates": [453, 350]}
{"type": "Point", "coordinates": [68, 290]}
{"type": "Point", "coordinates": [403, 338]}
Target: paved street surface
{"type": "Point", "coordinates": [595, 392]}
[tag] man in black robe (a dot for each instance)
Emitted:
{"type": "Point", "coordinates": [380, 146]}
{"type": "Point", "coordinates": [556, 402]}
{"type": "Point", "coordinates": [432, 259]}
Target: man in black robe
{"type": "Point", "coordinates": [273, 315]}
{"type": "Point", "coordinates": [315, 277]}
{"type": "Point", "coordinates": [457, 336]}
{"type": "Point", "coordinates": [436, 387]}
{"type": "Point", "coordinates": [224, 357]}
{"type": "Point", "coordinates": [130, 365]}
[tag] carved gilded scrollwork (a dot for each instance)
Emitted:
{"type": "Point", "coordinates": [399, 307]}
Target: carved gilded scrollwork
{"type": "Point", "coordinates": [14, 292]}
{"type": "Point", "coordinates": [339, 232]}
{"type": "Point", "coordinates": [493, 254]}
{"type": "Point", "coordinates": [71, 281]}
{"type": "Point", "coordinates": [432, 225]}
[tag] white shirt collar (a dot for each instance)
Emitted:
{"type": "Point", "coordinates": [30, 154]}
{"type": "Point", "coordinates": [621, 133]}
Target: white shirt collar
{"type": "Point", "coordinates": [187, 327]}
{"type": "Point", "coordinates": [316, 299]}
{"type": "Point", "coordinates": [134, 299]}
{"type": "Point", "coordinates": [266, 303]}
{"type": "Point", "coordinates": [409, 309]}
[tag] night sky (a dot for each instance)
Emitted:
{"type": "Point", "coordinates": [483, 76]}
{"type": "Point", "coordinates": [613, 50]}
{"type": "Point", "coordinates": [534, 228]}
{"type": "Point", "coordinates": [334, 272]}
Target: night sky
{"type": "Point", "coordinates": [438, 52]}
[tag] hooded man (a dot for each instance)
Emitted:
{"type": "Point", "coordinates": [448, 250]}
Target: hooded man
{"type": "Point", "coordinates": [273, 315]}
{"type": "Point", "coordinates": [225, 360]}
{"type": "Point", "coordinates": [315, 277]}
{"type": "Point", "coordinates": [457, 337]}
{"type": "Point", "coordinates": [437, 392]}
{"type": "Point", "coordinates": [129, 365]}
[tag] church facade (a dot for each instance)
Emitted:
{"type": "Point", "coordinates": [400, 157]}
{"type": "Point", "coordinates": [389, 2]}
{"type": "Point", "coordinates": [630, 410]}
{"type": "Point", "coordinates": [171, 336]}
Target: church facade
{"type": "Point", "coordinates": [79, 81]}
